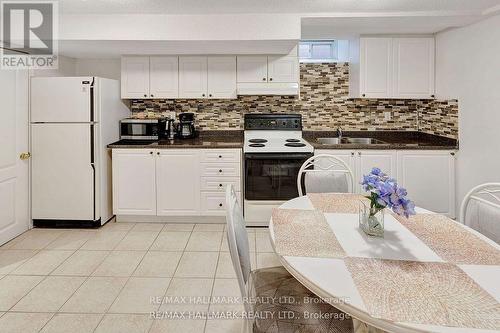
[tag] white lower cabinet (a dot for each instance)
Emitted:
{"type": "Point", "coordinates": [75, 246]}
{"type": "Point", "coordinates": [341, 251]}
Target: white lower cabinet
{"type": "Point", "coordinates": [213, 203]}
{"type": "Point", "coordinates": [386, 160]}
{"type": "Point", "coordinates": [177, 184]}
{"type": "Point", "coordinates": [429, 176]}
{"type": "Point", "coordinates": [134, 182]}
{"type": "Point", "coordinates": [174, 182]}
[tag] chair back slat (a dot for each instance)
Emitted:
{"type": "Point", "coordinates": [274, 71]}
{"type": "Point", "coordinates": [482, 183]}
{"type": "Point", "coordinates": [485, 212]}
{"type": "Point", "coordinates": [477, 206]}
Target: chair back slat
{"type": "Point", "coordinates": [237, 238]}
{"type": "Point", "coordinates": [480, 210]}
{"type": "Point", "coordinates": [325, 174]}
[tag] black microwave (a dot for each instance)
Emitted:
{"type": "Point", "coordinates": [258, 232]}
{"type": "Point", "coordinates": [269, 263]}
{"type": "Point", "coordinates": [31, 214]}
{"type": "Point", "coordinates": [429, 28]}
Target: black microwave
{"type": "Point", "coordinates": [142, 129]}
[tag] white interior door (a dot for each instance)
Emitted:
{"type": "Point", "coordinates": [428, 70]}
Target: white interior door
{"type": "Point", "coordinates": [62, 173]}
{"type": "Point", "coordinates": [14, 172]}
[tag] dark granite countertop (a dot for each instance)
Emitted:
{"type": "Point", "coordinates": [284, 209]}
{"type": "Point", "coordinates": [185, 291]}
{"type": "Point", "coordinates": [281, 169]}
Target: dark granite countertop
{"type": "Point", "coordinates": [205, 139]}
{"type": "Point", "coordinates": [391, 140]}
{"type": "Point", "coordinates": [234, 139]}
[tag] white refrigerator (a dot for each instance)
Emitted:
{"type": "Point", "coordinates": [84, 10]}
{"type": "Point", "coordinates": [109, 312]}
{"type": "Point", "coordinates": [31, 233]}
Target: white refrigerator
{"type": "Point", "coordinates": [73, 119]}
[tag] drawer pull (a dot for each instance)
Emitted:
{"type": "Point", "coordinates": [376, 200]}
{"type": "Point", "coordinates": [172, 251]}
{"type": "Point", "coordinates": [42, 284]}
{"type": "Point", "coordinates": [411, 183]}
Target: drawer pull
{"type": "Point", "coordinates": [220, 156]}
{"type": "Point", "coordinates": [220, 185]}
{"type": "Point", "coordinates": [220, 170]}
{"type": "Point", "coordinates": [220, 205]}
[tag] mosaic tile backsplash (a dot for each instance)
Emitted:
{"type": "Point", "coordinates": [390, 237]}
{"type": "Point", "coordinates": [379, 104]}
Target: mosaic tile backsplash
{"type": "Point", "coordinates": [324, 104]}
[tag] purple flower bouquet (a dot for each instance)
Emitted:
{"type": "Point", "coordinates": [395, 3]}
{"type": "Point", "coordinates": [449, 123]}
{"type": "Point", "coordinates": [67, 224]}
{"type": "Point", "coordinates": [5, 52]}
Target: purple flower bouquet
{"type": "Point", "coordinates": [384, 192]}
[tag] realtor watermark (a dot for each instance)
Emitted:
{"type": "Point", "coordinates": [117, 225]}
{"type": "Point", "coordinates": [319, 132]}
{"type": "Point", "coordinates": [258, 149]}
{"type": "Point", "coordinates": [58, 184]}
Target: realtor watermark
{"type": "Point", "coordinates": [29, 35]}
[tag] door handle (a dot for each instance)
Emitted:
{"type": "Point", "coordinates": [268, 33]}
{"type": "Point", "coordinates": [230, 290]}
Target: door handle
{"type": "Point", "coordinates": [25, 156]}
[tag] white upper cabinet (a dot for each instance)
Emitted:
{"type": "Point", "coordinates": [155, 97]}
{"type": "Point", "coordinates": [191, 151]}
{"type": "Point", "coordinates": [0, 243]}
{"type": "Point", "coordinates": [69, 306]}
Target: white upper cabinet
{"type": "Point", "coordinates": [252, 69]}
{"type": "Point", "coordinates": [150, 77]}
{"type": "Point", "coordinates": [222, 77]}
{"type": "Point", "coordinates": [200, 77]}
{"type": "Point", "coordinates": [135, 77]}
{"type": "Point", "coordinates": [193, 77]}
{"type": "Point", "coordinates": [396, 67]}
{"type": "Point", "coordinates": [283, 69]}
{"type": "Point", "coordinates": [164, 77]}
{"type": "Point", "coordinates": [413, 67]}
{"type": "Point", "coordinates": [268, 75]}
{"type": "Point", "coordinates": [375, 67]}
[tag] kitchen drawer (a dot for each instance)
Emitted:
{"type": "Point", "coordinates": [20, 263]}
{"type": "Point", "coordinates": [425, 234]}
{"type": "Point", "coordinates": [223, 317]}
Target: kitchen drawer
{"type": "Point", "coordinates": [221, 169]}
{"type": "Point", "coordinates": [219, 184]}
{"type": "Point", "coordinates": [221, 155]}
{"type": "Point", "coordinates": [215, 203]}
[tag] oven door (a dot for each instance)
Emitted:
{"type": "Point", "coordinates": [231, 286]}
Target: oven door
{"type": "Point", "coordinates": [272, 176]}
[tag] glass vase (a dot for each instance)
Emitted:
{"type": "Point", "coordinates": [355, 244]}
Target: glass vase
{"type": "Point", "coordinates": [371, 219]}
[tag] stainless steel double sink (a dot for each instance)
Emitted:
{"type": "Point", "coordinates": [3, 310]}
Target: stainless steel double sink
{"type": "Point", "coordinates": [350, 141]}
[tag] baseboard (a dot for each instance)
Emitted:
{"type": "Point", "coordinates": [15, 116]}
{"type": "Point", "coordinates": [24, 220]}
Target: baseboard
{"type": "Point", "coordinates": [171, 219]}
{"type": "Point", "coordinates": [49, 223]}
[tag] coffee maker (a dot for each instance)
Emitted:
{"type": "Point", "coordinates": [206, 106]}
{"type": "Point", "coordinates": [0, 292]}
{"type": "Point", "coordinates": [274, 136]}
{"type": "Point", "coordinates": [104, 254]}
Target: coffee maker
{"type": "Point", "coordinates": [185, 127]}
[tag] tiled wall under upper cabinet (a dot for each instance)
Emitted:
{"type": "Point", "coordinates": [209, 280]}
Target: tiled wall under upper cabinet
{"type": "Point", "coordinates": [324, 104]}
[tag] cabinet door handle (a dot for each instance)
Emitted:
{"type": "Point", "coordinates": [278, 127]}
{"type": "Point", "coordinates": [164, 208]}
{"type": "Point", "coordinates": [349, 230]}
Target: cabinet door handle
{"type": "Point", "coordinates": [220, 156]}
{"type": "Point", "coordinates": [151, 152]}
{"type": "Point", "coordinates": [209, 95]}
{"type": "Point", "coordinates": [352, 153]}
{"type": "Point", "coordinates": [263, 79]}
{"type": "Point", "coordinates": [202, 95]}
{"type": "Point", "coordinates": [220, 170]}
{"type": "Point", "coordinates": [363, 95]}
{"type": "Point", "coordinates": [152, 95]}
{"type": "Point", "coordinates": [145, 95]}
{"type": "Point", "coordinates": [220, 185]}
{"type": "Point", "coordinates": [270, 79]}
{"type": "Point", "coordinates": [452, 154]}
{"type": "Point", "coordinates": [220, 205]}
{"type": "Point", "coordinates": [158, 153]}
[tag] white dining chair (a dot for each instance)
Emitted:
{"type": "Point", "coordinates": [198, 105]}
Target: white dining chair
{"type": "Point", "coordinates": [325, 174]}
{"type": "Point", "coordinates": [272, 293]}
{"type": "Point", "coordinates": [480, 210]}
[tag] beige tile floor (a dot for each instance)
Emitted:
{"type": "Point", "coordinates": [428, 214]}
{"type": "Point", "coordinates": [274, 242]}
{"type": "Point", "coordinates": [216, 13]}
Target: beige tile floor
{"type": "Point", "coordinates": [108, 280]}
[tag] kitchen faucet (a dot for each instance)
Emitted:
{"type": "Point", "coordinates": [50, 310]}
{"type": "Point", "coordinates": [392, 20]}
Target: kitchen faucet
{"type": "Point", "coordinates": [339, 132]}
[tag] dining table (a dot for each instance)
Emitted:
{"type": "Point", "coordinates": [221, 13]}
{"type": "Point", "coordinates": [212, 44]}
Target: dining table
{"type": "Point", "coordinates": [428, 273]}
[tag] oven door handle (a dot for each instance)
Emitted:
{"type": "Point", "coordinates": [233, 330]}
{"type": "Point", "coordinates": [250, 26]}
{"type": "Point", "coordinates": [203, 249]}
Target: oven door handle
{"type": "Point", "coordinates": [278, 156]}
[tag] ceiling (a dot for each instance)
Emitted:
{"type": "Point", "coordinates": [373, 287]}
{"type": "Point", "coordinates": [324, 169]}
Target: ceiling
{"type": "Point", "coordinates": [315, 19]}
{"type": "Point", "coordinates": [269, 6]}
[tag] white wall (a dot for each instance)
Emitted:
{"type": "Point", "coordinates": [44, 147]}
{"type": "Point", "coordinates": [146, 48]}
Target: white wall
{"type": "Point", "coordinates": [66, 67]}
{"type": "Point", "coordinates": [180, 27]}
{"type": "Point", "coordinates": [107, 68]}
{"type": "Point", "coordinates": [468, 68]}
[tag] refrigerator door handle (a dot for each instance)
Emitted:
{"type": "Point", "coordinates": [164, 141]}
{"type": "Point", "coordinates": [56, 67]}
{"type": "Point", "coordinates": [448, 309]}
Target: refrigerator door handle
{"type": "Point", "coordinates": [92, 164]}
{"type": "Point", "coordinates": [92, 108]}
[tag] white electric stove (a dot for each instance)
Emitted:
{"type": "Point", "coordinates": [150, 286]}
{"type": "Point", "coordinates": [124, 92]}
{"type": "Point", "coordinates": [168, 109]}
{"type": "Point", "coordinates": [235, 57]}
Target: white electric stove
{"type": "Point", "coordinates": [269, 141]}
{"type": "Point", "coordinates": [274, 151]}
